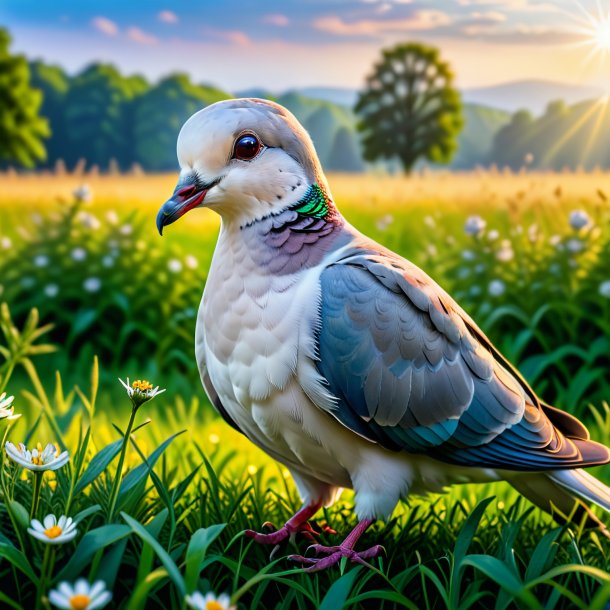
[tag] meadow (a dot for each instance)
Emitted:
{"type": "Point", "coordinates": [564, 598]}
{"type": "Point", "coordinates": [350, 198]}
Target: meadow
{"type": "Point", "coordinates": [93, 294]}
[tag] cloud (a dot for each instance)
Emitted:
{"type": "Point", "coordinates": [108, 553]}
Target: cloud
{"type": "Point", "coordinates": [105, 26]}
{"type": "Point", "coordinates": [276, 19]}
{"type": "Point", "coordinates": [525, 6]}
{"type": "Point", "coordinates": [167, 17]}
{"type": "Point", "coordinates": [141, 37]}
{"type": "Point", "coordinates": [419, 20]}
{"type": "Point", "coordinates": [488, 16]}
{"type": "Point", "coordinates": [233, 37]}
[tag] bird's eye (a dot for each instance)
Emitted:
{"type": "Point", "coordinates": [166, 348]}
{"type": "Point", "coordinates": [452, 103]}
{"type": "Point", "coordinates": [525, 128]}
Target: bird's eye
{"type": "Point", "coordinates": [246, 147]}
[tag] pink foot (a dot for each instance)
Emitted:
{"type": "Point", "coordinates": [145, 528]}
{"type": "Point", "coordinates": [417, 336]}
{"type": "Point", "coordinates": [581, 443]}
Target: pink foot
{"type": "Point", "coordinates": [295, 525]}
{"type": "Point", "coordinates": [334, 554]}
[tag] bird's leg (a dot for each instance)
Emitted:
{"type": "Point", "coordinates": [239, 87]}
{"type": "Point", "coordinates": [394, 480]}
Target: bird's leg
{"type": "Point", "coordinates": [297, 524]}
{"type": "Point", "coordinates": [345, 549]}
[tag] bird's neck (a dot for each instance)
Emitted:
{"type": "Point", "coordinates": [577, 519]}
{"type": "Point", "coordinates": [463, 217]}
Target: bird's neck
{"type": "Point", "coordinates": [315, 203]}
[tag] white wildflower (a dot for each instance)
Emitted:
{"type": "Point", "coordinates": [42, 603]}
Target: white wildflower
{"type": "Point", "coordinates": [604, 289]}
{"type": "Point", "coordinates": [92, 284]}
{"type": "Point", "coordinates": [108, 261]}
{"type": "Point", "coordinates": [575, 245]}
{"type": "Point", "coordinates": [6, 243]}
{"type": "Point", "coordinates": [41, 260]}
{"type": "Point", "coordinates": [496, 288]}
{"type": "Point", "coordinates": [78, 254]}
{"type": "Point", "coordinates": [112, 217]}
{"type": "Point", "coordinates": [51, 290]}
{"type": "Point", "coordinates": [82, 193]}
{"type": "Point", "coordinates": [468, 255]}
{"type": "Point", "coordinates": [174, 265]}
{"type": "Point", "coordinates": [53, 530]}
{"type": "Point", "coordinates": [7, 411]}
{"type": "Point", "coordinates": [80, 596]}
{"type": "Point", "coordinates": [505, 253]}
{"type": "Point", "coordinates": [140, 391]}
{"type": "Point", "coordinates": [579, 219]}
{"type": "Point", "coordinates": [191, 262]}
{"type": "Point", "coordinates": [89, 221]}
{"type": "Point", "coordinates": [38, 459]}
{"type": "Point", "coordinates": [493, 235]}
{"type": "Point", "coordinates": [209, 601]}
{"type": "Point", "coordinates": [126, 229]}
{"type": "Point", "coordinates": [474, 225]}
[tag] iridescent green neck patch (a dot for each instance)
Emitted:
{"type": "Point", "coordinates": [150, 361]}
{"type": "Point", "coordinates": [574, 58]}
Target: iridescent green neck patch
{"type": "Point", "coordinates": [314, 203]}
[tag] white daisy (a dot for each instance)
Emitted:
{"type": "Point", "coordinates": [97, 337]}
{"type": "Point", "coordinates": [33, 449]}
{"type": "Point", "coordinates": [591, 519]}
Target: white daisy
{"type": "Point", "coordinates": [6, 408]}
{"type": "Point", "coordinates": [80, 596]}
{"type": "Point", "coordinates": [493, 235]}
{"type": "Point", "coordinates": [209, 601]}
{"type": "Point", "coordinates": [6, 243]}
{"type": "Point", "coordinates": [474, 225]}
{"type": "Point", "coordinates": [89, 221]}
{"type": "Point", "coordinates": [38, 459]}
{"type": "Point", "coordinates": [53, 530]}
{"type": "Point", "coordinates": [505, 253]}
{"type": "Point", "coordinates": [140, 391]}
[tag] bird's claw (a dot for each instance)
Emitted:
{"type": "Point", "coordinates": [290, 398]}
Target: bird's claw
{"type": "Point", "coordinates": [285, 532]}
{"type": "Point", "coordinates": [334, 554]}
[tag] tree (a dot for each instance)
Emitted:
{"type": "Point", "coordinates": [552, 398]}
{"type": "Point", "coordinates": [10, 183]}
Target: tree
{"type": "Point", "coordinates": [22, 129]}
{"type": "Point", "coordinates": [161, 112]}
{"type": "Point", "coordinates": [53, 82]}
{"type": "Point", "coordinates": [98, 115]}
{"type": "Point", "coordinates": [409, 109]}
{"type": "Point", "coordinates": [511, 143]}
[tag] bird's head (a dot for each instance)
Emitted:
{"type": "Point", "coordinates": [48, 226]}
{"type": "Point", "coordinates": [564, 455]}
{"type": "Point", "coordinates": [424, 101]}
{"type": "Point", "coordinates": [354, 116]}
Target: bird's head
{"type": "Point", "coordinates": [243, 158]}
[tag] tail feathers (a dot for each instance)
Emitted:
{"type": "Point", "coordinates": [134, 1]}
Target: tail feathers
{"type": "Point", "coordinates": [583, 485]}
{"type": "Point", "coordinates": [564, 494]}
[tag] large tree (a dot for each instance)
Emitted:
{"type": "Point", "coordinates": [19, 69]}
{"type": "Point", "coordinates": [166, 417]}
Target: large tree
{"type": "Point", "coordinates": [22, 129]}
{"type": "Point", "coordinates": [53, 82]}
{"type": "Point", "coordinates": [99, 116]}
{"type": "Point", "coordinates": [409, 109]}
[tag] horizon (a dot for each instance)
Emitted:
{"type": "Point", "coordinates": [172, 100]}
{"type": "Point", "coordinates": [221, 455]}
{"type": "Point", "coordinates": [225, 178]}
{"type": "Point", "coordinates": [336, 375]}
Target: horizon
{"type": "Point", "coordinates": [314, 44]}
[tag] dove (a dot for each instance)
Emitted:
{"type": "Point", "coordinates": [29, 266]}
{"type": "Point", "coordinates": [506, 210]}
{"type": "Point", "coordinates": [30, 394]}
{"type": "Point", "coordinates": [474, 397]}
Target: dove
{"type": "Point", "coordinates": [341, 359]}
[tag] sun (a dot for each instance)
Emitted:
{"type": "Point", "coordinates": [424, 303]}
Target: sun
{"type": "Point", "coordinates": [601, 35]}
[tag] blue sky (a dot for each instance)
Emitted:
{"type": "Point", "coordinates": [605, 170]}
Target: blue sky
{"type": "Point", "coordinates": [276, 44]}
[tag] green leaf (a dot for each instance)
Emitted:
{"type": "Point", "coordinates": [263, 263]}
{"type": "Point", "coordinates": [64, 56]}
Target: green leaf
{"type": "Point", "coordinates": [87, 512]}
{"type": "Point", "coordinates": [98, 464]}
{"type": "Point", "coordinates": [93, 541]}
{"type": "Point", "coordinates": [18, 560]}
{"type": "Point", "coordinates": [195, 553]}
{"type": "Point", "coordinates": [140, 595]}
{"type": "Point", "coordinates": [166, 560]}
{"type": "Point", "coordinates": [9, 601]}
{"type": "Point", "coordinates": [20, 513]}
{"type": "Point", "coordinates": [336, 596]}
{"type": "Point", "coordinates": [139, 473]}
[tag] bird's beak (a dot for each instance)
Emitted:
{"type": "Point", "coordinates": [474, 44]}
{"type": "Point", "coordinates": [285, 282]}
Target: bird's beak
{"type": "Point", "coordinates": [185, 198]}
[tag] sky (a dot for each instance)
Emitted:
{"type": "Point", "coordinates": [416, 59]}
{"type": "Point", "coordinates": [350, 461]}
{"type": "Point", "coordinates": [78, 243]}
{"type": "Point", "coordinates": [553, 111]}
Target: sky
{"type": "Point", "coordinates": [282, 44]}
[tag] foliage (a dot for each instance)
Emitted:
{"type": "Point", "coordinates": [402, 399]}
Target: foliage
{"type": "Point", "coordinates": [161, 112]}
{"type": "Point", "coordinates": [410, 109]}
{"type": "Point", "coordinates": [174, 524]}
{"type": "Point", "coordinates": [22, 129]}
{"type": "Point", "coordinates": [105, 286]}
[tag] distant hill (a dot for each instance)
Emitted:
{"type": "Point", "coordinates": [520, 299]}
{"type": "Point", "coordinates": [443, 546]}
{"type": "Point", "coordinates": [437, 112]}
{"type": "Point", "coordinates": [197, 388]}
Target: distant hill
{"type": "Point", "coordinates": [532, 95]}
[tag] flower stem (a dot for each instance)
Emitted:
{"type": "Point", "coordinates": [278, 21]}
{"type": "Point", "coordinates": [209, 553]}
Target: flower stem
{"type": "Point", "coordinates": [114, 494]}
{"type": "Point", "coordinates": [36, 493]}
{"type": "Point", "coordinates": [44, 575]}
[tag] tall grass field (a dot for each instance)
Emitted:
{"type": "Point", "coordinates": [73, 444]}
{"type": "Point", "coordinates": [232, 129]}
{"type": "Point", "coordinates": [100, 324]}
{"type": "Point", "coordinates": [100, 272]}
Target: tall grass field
{"type": "Point", "coordinates": [159, 489]}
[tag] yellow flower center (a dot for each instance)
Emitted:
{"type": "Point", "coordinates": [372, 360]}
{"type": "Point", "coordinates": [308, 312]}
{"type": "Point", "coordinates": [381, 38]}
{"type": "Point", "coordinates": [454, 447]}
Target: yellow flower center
{"type": "Point", "coordinates": [141, 385]}
{"type": "Point", "coordinates": [37, 460]}
{"type": "Point", "coordinates": [80, 602]}
{"type": "Point", "coordinates": [53, 531]}
{"type": "Point", "coordinates": [213, 605]}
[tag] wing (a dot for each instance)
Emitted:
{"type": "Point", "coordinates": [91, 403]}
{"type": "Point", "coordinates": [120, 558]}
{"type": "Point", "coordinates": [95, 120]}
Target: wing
{"type": "Point", "coordinates": [411, 371]}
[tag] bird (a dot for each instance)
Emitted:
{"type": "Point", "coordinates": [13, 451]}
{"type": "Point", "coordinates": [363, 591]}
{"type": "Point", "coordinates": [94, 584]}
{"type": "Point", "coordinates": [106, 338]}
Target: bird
{"type": "Point", "coordinates": [341, 359]}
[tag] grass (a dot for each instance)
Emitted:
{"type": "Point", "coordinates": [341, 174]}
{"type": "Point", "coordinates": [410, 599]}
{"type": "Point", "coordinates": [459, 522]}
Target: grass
{"type": "Point", "coordinates": [190, 485]}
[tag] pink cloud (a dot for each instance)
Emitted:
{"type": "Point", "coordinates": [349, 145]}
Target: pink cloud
{"type": "Point", "coordinates": [167, 17]}
{"type": "Point", "coordinates": [141, 37]}
{"type": "Point", "coordinates": [419, 20]}
{"type": "Point", "coordinates": [279, 20]}
{"type": "Point", "coordinates": [105, 26]}
{"type": "Point", "coordinates": [234, 37]}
